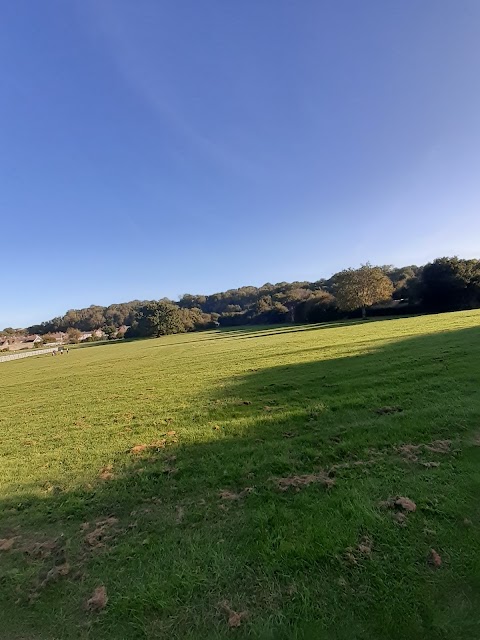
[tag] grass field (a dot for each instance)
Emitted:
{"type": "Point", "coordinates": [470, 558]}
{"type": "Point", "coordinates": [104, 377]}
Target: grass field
{"type": "Point", "coordinates": [246, 484]}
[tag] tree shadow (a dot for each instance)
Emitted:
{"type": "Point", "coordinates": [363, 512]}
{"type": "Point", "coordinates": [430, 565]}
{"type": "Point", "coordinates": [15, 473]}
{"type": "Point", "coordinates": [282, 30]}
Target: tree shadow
{"type": "Point", "coordinates": [260, 331]}
{"type": "Point", "coordinates": [179, 549]}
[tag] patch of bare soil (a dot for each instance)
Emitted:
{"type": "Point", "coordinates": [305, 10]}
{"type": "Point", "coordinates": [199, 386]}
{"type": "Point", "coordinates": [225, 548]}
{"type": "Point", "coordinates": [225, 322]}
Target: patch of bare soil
{"type": "Point", "coordinates": [168, 438]}
{"type": "Point", "coordinates": [225, 494]}
{"type": "Point", "coordinates": [139, 448]}
{"type": "Point", "coordinates": [352, 464]}
{"type": "Point", "coordinates": [54, 574]}
{"type": "Point", "coordinates": [405, 503]}
{"type": "Point", "coordinates": [7, 543]}
{"type": "Point", "coordinates": [401, 507]}
{"type": "Point", "coordinates": [353, 555]}
{"type": "Point", "coordinates": [53, 565]}
{"type": "Point", "coordinates": [98, 600]}
{"type": "Point", "coordinates": [400, 518]}
{"type": "Point", "coordinates": [439, 446]}
{"type": "Point", "coordinates": [180, 513]}
{"type": "Point", "coordinates": [409, 451]}
{"type": "Point", "coordinates": [101, 532]}
{"type": "Point", "coordinates": [106, 473]}
{"type": "Point", "coordinates": [52, 547]}
{"type": "Point", "coordinates": [434, 559]}
{"type": "Point", "coordinates": [234, 619]}
{"type": "Point", "coordinates": [413, 452]}
{"type": "Point", "coordinates": [169, 470]}
{"type": "Point", "coordinates": [388, 410]}
{"type": "Point", "coordinates": [299, 482]}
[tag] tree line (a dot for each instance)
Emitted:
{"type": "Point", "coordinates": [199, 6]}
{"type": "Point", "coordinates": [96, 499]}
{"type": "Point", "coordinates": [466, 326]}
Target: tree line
{"type": "Point", "coordinates": [446, 284]}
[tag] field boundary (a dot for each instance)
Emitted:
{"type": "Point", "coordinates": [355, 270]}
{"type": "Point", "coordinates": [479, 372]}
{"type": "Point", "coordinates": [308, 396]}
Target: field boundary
{"type": "Point", "coordinates": [18, 356]}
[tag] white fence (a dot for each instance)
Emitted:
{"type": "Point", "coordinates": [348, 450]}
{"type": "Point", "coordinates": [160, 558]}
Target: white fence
{"type": "Point", "coordinates": [26, 354]}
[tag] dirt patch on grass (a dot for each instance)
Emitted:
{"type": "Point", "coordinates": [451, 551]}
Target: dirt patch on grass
{"type": "Point", "coordinates": [405, 504]}
{"type": "Point", "coordinates": [409, 451]}
{"type": "Point", "coordinates": [352, 464]}
{"type": "Point", "coordinates": [399, 502]}
{"type": "Point", "coordinates": [139, 448]}
{"type": "Point", "coordinates": [234, 618]}
{"type": "Point", "coordinates": [381, 411]}
{"type": "Point", "coordinates": [48, 556]}
{"type": "Point", "coordinates": [7, 543]}
{"type": "Point", "coordinates": [168, 438]}
{"type": "Point", "coordinates": [299, 482]}
{"type": "Point", "coordinates": [55, 573]}
{"type": "Point", "coordinates": [102, 532]}
{"type": "Point", "coordinates": [439, 446]}
{"type": "Point", "coordinates": [401, 506]}
{"type": "Point", "coordinates": [225, 494]}
{"type": "Point", "coordinates": [413, 452]}
{"type": "Point", "coordinates": [400, 518]}
{"type": "Point", "coordinates": [353, 555]}
{"type": "Point", "coordinates": [52, 547]}
{"type": "Point", "coordinates": [98, 600]}
{"type": "Point", "coordinates": [434, 559]}
{"type": "Point", "coordinates": [180, 514]}
{"type": "Point", "coordinates": [106, 473]}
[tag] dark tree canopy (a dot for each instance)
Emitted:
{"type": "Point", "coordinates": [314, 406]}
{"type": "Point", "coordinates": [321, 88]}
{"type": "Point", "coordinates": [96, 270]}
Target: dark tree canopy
{"type": "Point", "coordinates": [450, 283]}
{"type": "Point", "coordinates": [156, 319]}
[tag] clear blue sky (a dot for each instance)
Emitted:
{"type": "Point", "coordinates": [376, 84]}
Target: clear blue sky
{"type": "Point", "coordinates": [152, 148]}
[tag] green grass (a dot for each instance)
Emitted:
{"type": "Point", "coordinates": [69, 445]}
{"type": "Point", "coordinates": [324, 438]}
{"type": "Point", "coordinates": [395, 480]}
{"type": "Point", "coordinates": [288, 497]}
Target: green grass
{"type": "Point", "coordinates": [247, 407]}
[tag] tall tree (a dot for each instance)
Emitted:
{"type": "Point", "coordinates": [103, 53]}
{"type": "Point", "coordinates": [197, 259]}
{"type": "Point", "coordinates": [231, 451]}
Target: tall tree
{"type": "Point", "coordinates": [157, 319]}
{"type": "Point", "coordinates": [360, 288]}
{"type": "Point", "coordinates": [73, 335]}
{"type": "Point", "coordinates": [450, 283]}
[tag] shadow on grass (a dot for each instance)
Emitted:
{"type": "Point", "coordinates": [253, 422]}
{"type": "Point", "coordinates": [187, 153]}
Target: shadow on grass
{"type": "Point", "coordinates": [260, 331]}
{"type": "Point", "coordinates": [248, 331]}
{"type": "Point", "coordinates": [179, 549]}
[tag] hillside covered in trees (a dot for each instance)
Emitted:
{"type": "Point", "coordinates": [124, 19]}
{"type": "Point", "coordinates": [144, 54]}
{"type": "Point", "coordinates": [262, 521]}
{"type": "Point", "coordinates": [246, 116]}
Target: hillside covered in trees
{"type": "Point", "coordinates": [443, 285]}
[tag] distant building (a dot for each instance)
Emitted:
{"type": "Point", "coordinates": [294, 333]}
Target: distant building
{"type": "Point", "coordinates": [18, 343]}
{"type": "Point", "coordinates": [98, 334]}
{"type": "Point", "coordinates": [32, 339]}
{"type": "Point", "coordinates": [58, 337]}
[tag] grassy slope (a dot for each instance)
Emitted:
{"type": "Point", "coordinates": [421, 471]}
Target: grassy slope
{"type": "Point", "coordinates": [247, 406]}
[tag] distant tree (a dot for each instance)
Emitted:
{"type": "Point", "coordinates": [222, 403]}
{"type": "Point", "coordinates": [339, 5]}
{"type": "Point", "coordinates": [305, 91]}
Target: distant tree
{"type": "Point", "coordinates": [233, 319]}
{"type": "Point", "coordinates": [156, 319]}
{"type": "Point", "coordinates": [319, 308]}
{"type": "Point", "coordinates": [450, 283]}
{"type": "Point", "coordinates": [361, 288]}
{"type": "Point", "coordinates": [73, 335]}
{"type": "Point", "coordinates": [110, 332]}
{"type": "Point", "coordinates": [190, 301]}
{"type": "Point", "coordinates": [292, 298]}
